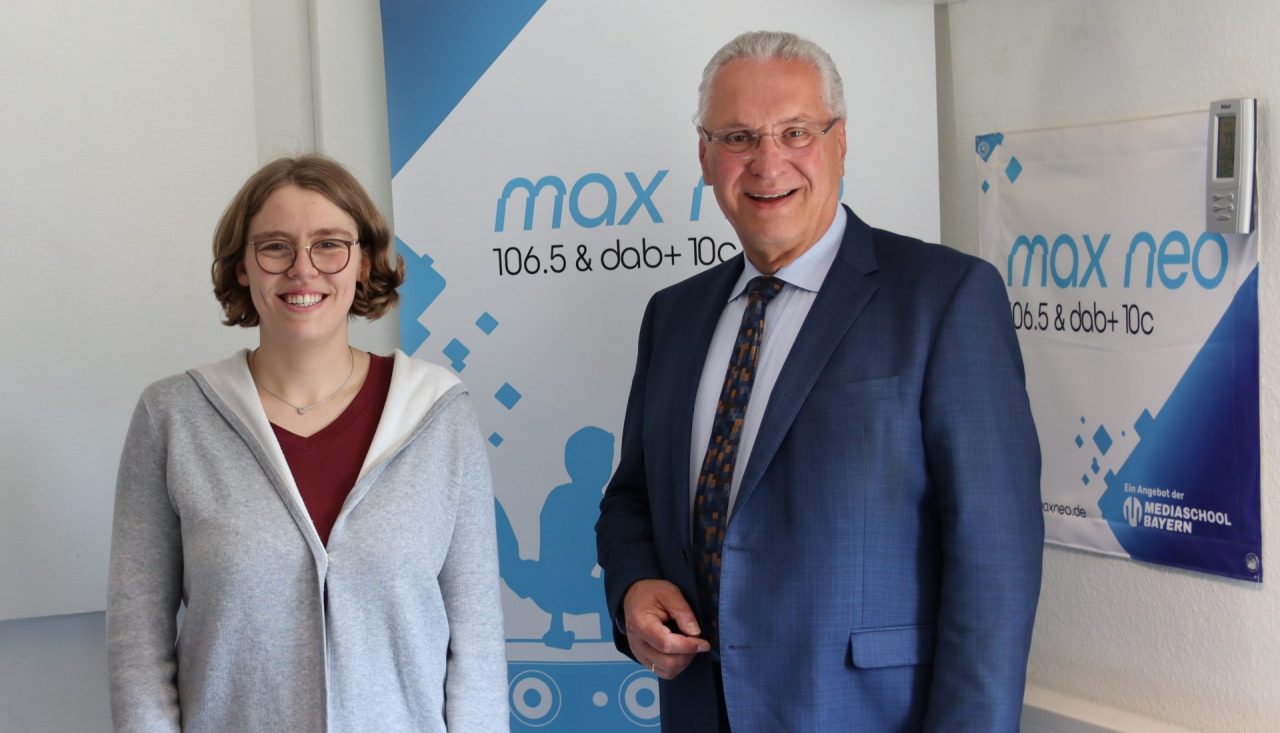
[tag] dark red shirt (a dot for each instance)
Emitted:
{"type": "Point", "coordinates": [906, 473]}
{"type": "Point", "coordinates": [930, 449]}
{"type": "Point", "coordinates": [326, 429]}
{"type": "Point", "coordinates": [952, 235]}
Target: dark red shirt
{"type": "Point", "coordinates": [326, 465]}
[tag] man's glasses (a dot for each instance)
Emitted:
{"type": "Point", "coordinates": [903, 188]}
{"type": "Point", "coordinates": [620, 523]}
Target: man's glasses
{"type": "Point", "coordinates": [796, 137]}
{"type": "Point", "coordinates": [329, 256]}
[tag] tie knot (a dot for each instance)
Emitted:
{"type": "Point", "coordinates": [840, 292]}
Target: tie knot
{"type": "Point", "coordinates": [764, 288]}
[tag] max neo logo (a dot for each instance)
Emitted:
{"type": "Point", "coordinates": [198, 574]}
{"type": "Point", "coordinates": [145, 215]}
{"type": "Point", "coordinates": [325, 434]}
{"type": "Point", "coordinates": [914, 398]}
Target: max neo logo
{"type": "Point", "coordinates": [641, 195]}
{"type": "Point", "coordinates": [1172, 260]}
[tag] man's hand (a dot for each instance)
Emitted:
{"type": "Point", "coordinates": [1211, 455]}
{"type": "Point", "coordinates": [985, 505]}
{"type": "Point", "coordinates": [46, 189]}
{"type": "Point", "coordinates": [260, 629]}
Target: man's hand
{"type": "Point", "coordinates": [648, 606]}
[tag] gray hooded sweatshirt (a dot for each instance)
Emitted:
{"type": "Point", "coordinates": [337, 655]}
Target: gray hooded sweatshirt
{"type": "Point", "coordinates": [395, 626]}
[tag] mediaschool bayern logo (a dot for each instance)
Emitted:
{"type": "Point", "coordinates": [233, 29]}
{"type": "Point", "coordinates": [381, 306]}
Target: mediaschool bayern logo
{"type": "Point", "coordinates": [1133, 511]}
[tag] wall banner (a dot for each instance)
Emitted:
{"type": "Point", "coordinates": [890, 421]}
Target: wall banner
{"type": "Point", "coordinates": [545, 184]}
{"type": "Point", "coordinates": [1139, 330]}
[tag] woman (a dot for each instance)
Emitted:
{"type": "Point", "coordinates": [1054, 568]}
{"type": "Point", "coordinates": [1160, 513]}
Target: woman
{"type": "Point", "coordinates": [325, 515]}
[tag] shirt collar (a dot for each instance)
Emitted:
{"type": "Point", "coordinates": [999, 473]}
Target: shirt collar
{"type": "Point", "coordinates": [809, 269]}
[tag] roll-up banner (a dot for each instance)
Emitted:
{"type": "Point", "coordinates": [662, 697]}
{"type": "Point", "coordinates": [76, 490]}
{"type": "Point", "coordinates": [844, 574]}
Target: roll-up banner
{"type": "Point", "coordinates": [545, 184]}
{"type": "Point", "coordinates": [1139, 330]}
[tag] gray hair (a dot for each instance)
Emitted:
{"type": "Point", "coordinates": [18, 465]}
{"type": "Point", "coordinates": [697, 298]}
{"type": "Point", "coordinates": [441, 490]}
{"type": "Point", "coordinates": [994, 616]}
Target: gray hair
{"type": "Point", "coordinates": [766, 45]}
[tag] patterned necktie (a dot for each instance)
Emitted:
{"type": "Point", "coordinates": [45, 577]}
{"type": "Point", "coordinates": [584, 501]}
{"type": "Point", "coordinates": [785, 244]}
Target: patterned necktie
{"type": "Point", "coordinates": [711, 502]}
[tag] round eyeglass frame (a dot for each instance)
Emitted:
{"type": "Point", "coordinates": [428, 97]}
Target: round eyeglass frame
{"type": "Point", "coordinates": [274, 270]}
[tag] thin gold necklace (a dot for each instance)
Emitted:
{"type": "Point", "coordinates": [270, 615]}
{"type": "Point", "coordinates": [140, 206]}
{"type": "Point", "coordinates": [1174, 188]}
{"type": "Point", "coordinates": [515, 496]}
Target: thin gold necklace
{"type": "Point", "coordinates": [302, 410]}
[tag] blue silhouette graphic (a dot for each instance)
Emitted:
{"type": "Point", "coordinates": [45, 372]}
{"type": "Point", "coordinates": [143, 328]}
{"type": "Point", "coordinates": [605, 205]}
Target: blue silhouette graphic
{"type": "Point", "coordinates": [562, 683]}
{"type": "Point", "coordinates": [563, 579]}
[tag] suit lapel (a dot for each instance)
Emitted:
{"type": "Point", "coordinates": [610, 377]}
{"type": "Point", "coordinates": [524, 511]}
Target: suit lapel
{"type": "Point", "coordinates": [702, 315]}
{"type": "Point", "coordinates": [840, 301]}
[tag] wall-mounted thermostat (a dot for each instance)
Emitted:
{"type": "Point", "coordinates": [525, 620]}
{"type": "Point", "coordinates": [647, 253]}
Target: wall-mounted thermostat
{"type": "Point", "coordinates": [1231, 196]}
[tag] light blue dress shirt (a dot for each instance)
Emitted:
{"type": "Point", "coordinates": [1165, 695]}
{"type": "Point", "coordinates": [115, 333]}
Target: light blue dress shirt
{"type": "Point", "coordinates": [783, 319]}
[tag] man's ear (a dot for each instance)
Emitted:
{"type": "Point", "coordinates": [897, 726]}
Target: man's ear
{"type": "Point", "coordinates": [702, 159]}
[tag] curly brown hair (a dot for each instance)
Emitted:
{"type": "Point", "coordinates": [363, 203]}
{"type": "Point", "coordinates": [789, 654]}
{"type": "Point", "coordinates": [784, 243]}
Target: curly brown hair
{"type": "Point", "coordinates": [376, 288]}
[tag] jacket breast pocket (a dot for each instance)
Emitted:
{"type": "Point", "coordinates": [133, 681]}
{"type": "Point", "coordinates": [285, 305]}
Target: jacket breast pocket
{"type": "Point", "coordinates": [896, 646]}
{"type": "Point", "coordinates": [869, 390]}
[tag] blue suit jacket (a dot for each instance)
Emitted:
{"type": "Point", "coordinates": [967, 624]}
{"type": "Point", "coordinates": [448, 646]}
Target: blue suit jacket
{"type": "Point", "coordinates": [882, 562]}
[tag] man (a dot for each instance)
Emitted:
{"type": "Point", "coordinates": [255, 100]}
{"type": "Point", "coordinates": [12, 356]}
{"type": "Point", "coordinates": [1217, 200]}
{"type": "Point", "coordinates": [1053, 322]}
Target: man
{"type": "Point", "coordinates": [842, 530]}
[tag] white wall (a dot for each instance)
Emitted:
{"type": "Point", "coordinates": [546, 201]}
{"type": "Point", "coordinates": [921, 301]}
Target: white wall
{"type": "Point", "coordinates": [1186, 648]}
{"type": "Point", "coordinates": [127, 127]}
{"type": "Point", "coordinates": [122, 131]}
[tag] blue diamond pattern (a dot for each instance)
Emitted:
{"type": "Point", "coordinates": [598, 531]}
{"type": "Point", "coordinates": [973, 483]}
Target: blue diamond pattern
{"type": "Point", "coordinates": [1145, 422]}
{"type": "Point", "coordinates": [486, 323]}
{"type": "Point", "coordinates": [507, 395]}
{"type": "Point", "coordinates": [1013, 170]}
{"type": "Point", "coordinates": [1102, 439]}
{"type": "Point", "coordinates": [457, 355]}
